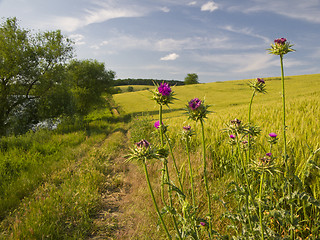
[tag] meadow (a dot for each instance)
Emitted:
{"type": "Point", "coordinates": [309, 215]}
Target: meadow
{"type": "Point", "coordinates": [228, 101]}
{"type": "Point", "coordinates": [54, 183]}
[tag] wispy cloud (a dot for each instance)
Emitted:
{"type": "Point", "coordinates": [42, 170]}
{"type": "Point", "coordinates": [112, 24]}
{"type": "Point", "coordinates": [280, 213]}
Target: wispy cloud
{"type": "Point", "coordinates": [192, 3]}
{"type": "Point", "coordinates": [165, 9]}
{"type": "Point", "coordinates": [170, 57]}
{"type": "Point", "coordinates": [246, 31]}
{"type": "Point", "coordinates": [78, 39]}
{"type": "Point", "coordinates": [99, 11]}
{"type": "Point", "coordinates": [297, 9]}
{"type": "Point", "coordinates": [209, 6]}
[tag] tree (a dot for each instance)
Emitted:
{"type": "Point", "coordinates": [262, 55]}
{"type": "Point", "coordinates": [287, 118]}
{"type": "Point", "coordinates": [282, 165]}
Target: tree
{"type": "Point", "coordinates": [31, 67]}
{"type": "Point", "coordinates": [191, 78]}
{"type": "Point", "coordinates": [88, 80]}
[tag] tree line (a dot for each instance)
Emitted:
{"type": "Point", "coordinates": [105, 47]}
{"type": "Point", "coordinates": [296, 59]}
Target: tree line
{"type": "Point", "coordinates": [40, 79]}
{"type": "Point", "coordinates": [150, 82]}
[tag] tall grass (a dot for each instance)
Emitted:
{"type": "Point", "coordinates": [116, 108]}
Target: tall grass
{"type": "Point", "coordinates": [223, 165]}
{"type": "Point", "coordinates": [51, 181]}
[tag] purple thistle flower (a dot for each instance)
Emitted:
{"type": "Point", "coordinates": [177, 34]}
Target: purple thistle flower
{"type": "Point", "coordinates": [260, 80]}
{"type": "Point", "coordinates": [157, 124]}
{"type": "Point", "coordinates": [194, 103]}
{"type": "Point", "coordinates": [280, 41]}
{"type": "Point", "coordinates": [187, 128]}
{"type": "Point", "coordinates": [143, 143]}
{"type": "Point", "coordinates": [269, 154]}
{"type": "Point", "coordinates": [164, 89]}
{"type": "Point", "coordinates": [202, 224]}
{"type": "Point", "coordinates": [232, 136]}
{"type": "Point", "coordinates": [273, 135]}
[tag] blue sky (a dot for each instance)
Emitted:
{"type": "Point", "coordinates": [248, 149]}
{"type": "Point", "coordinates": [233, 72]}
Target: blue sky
{"type": "Point", "coordinates": [167, 39]}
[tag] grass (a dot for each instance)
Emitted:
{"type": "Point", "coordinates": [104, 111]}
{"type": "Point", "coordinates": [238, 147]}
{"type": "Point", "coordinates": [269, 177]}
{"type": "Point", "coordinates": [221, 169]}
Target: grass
{"type": "Point", "coordinates": [220, 95]}
{"type": "Point", "coordinates": [228, 100]}
{"type": "Point", "coordinates": [52, 181]}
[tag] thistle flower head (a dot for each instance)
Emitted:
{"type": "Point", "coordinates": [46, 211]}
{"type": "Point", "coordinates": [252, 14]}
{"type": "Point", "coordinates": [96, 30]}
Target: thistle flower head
{"type": "Point", "coordinates": [143, 144]}
{"type": "Point", "coordinates": [273, 138]}
{"type": "Point", "coordinates": [258, 85]}
{"type": "Point", "coordinates": [141, 152]}
{"type": "Point", "coordinates": [157, 124]}
{"type": "Point", "coordinates": [164, 89]}
{"type": "Point", "coordinates": [273, 135]}
{"type": "Point", "coordinates": [232, 136]}
{"type": "Point", "coordinates": [187, 132]}
{"type": "Point", "coordinates": [268, 154]}
{"type": "Point", "coordinates": [163, 94]}
{"type": "Point", "coordinates": [235, 122]}
{"type": "Point", "coordinates": [197, 110]}
{"type": "Point", "coordinates": [187, 128]}
{"type": "Point", "coordinates": [280, 47]}
{"type": "Point", "coordinates": [194, 103]}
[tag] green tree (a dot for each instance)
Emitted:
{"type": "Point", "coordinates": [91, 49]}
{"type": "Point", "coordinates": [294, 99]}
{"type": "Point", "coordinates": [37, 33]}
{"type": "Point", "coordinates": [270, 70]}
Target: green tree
{"type": "Point", "coordinates": [89, 80]}
{"type": "Point", "coordinates": [191, 78]}
{"type": "Point", "coordinates": [31, 68]}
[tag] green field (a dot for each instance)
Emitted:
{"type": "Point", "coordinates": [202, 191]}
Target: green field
{"type": "Point", "coordinates": [74, 183]}
{"type": "Point", "coordinates": [230, 100]}
{"type": "Point", "coordinates": [221, 95]}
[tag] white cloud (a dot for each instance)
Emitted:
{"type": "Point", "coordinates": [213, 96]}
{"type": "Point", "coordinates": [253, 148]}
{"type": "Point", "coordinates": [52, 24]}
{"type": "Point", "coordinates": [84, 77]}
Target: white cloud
{"type": "Point", "coordinates": [209, 6]}
{"type": "Point", "coordinates": [171, 56]}
{"type": "Point", "coordinates": [99, 11]}
{"type": "Point", "coordinates": [77, 38]}
{"type": "Point", "coordinates": [192, 3]}
{"type": "Point", "coordinates": [169, 44]}
{"type": "Point", "coordinates": [165, 9]}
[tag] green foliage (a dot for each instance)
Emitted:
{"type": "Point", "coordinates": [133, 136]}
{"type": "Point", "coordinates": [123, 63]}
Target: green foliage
{"type": "Point", "coordinates": [88, 80]}
{"type": "Point", "coordinates": [191, 78]}
{"type": "Point", "coordinates": [31, 67]}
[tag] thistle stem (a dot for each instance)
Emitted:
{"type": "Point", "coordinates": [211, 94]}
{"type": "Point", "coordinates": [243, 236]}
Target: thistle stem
{"type": "Point", "coordinates": [154, 201]}
{"type": "Point", "coordinates": [171, 204]}
{"type": "Point", "coordinates": [163, 175]}
{"type": "Point", "coordinates": [191, 172]}
{"type": "Point", "coordinates": [247, 182]}
{"type": "Point", "coordinates": [174, 162]}
{"type": "Point", "coordinates": [260, 208]}
{"type": "Point", "coordinates": [205, 178]}
{"type": "Point", "coordinates": [284, 116]}
{"type": "Point", "coordinates": [285, 145]}
{"type": "Point", "coordinates": [249, 123]}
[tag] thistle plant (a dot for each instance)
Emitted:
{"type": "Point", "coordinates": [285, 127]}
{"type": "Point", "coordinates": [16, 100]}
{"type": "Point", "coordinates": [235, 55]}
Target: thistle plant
{"type": "Point", "coordinates": [163, 95]}
{"type": "Point", "coordinates": [198, 111]}
{"type": "Point", "coordinates": [282, 47]}
{"type": "Point", "coordinates": [141, 154]}
{"type": "Point", "coordinates": [257, 86]}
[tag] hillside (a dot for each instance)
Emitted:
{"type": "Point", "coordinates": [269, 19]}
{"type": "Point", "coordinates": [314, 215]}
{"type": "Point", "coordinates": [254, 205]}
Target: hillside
{"type": "Point", "coordinates": [220, 94]}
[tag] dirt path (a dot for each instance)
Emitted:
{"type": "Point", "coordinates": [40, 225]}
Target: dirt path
{"type": "Point", "coordinates": [110, 222]}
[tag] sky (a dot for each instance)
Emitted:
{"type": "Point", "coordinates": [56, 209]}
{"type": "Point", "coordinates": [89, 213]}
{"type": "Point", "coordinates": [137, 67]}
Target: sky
{"type": "Point", "coordinates": [167, 39]}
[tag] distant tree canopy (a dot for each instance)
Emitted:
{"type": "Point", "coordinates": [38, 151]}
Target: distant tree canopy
{"type": "Point", "coordinates": [191, 78]}
{"type": "Point", "coordinates": [38, 79]}
{"type": "Point", "coordinates": [139, 81]}
{"type": "Point", "coordinates": [88, 80]}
